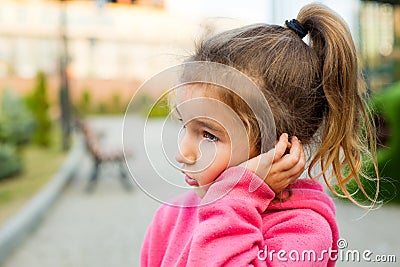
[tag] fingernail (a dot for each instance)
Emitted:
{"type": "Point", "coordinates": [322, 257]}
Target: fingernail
{"type": "Point", "coordinates": [286, 135]}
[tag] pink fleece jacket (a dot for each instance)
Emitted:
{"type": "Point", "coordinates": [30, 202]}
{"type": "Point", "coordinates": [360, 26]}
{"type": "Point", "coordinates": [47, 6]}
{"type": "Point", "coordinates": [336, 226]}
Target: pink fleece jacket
{"type": "Point", "coordinates": [243, 228]}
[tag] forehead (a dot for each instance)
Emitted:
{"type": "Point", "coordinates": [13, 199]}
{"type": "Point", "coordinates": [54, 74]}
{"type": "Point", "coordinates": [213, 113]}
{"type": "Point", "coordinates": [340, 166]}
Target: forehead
{"type": "Point", "coordinates": [196, 101]}
{"type": "Point", "coordinates": [192, 91]}
{"type": "Point", "coordinates": [199, 100]}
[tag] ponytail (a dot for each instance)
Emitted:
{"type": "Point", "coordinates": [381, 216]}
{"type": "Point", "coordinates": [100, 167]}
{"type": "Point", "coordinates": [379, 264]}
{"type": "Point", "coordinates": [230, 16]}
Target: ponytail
{"type": "Point", "coordinates": [347, 135]}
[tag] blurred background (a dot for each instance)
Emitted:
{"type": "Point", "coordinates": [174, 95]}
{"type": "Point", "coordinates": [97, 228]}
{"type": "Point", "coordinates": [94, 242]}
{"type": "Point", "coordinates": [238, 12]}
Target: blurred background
{"type": "Point", "coordinates": [70, 67]}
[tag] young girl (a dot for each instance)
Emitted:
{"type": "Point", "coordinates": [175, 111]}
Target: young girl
{"type": "Point", "coordinates": [315, 94]}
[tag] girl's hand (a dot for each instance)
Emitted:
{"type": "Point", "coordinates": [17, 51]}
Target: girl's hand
{"type": "Point", "coordinates": [285, 168]}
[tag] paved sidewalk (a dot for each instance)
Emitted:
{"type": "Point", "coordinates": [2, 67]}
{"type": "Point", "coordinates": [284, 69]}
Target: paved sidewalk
{"type": "Point", "coordinates": [377, 231]}
{"type": "Point", "coordinates": [106, 227]}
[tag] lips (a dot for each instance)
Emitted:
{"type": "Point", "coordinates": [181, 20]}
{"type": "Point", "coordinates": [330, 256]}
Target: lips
{"type": "Point", "coordinates": [190, 181]}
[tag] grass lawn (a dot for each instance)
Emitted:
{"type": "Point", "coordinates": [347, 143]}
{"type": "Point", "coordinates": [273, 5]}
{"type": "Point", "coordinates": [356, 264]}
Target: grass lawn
{"type": "Point", "coordinates": [39, 166]}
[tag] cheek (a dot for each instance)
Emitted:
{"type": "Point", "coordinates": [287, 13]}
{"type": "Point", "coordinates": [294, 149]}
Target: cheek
{"type": "Point", "coordinates": [218, 162]}
{"type": "Point", "coordinates": [208, 150]}
{"type": "Point", "coordinates": [241, 152]}
{"type": "Point", "coordinates": [242, 145]}
{"type": "Point", "coordinates": [223, 157]}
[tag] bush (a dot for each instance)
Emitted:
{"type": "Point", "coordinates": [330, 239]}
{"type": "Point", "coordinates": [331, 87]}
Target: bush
{"type": "Point", "coordinates": [114, 104]}
{"type": "Point", "coordinates": [160, 109]}
{"type": "Point", "coordinates": [85, 102]}
{"type": "Point", "coordinates": [10, 163]}
{"type": "Point", "coordinates": [39, 106]}
{"type": "Point", "coordinates": [16, 129]}
{"type": "Point", "coordinates": [16, 122]}
{"type": "Point", "coordinates": [386, 105]}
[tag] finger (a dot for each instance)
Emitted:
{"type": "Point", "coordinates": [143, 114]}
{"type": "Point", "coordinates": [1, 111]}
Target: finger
{"type": "Point", "coordinates": [279, 181]}
{"type": "Point", "coordinates": [297, 175]}
{"type": "Point", "coordinates": [292, 174]}
{"type": "Point", "coordinates": [288, 161]}
{"type": "Point", "coordinates": [289, 145]}
{"type": "Point", "coordinates": [281, 146]}
{"type": "Point", "coordinates": [303, 154]}
{"type": "Point", "coordinates": [300, 165]}
{"type": "Point", "coordinates": [282, 177]}
{"type": "Point", "coordinates": [302, 161]}
{"type": "Point", "coordinates": [260, 162]}
{"type": "Point", "coordinates": [297, 143]}
{"type": "Point", "coordinates": [284, 165]}
{"type": "Point", "coordinates": [278, 186]}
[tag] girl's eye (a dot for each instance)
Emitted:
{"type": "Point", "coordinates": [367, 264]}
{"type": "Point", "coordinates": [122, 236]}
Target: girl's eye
{"type": "Point", "coordinates": [210, 137]}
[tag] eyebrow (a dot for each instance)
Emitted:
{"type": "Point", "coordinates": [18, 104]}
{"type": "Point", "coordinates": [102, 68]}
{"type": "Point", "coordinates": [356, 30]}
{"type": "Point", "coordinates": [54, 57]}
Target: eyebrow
{"type": "Point", "coordinates": [204, 123]}
{"type": "Point", "coordinates": [208, 125]}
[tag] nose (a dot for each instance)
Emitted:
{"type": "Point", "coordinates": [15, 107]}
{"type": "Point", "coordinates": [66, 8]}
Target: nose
{"type": "Point", "coordinates": [188, 151]}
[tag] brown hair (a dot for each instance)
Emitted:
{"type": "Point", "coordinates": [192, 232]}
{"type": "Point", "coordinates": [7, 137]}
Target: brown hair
{"type": "Point", "coordinates": [315, 91]}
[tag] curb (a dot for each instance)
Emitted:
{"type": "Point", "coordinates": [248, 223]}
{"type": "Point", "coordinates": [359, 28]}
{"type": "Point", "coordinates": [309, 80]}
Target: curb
{"type": "Point", "coordinates": [19, 227]}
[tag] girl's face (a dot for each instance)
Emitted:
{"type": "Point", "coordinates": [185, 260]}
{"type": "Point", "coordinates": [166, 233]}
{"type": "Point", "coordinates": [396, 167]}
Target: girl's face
{"type": "Point", "coordinates": [211, 139]}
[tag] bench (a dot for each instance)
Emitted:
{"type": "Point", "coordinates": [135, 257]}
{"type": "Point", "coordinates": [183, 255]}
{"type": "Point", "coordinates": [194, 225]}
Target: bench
{"type": "Point", "coordinates": [101, 156]}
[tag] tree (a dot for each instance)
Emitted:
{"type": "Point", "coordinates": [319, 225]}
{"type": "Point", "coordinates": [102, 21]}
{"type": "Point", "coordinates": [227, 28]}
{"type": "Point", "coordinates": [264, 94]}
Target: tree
{"type": "Point", "coordinates": [39, 105]}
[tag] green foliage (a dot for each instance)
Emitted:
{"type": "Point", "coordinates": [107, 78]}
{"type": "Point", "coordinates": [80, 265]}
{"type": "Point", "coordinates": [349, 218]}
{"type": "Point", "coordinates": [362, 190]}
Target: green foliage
{"type": "Point", "coordinates": [10, 163]}
{"type": "Point", "coordinates": [102, 108]}
{"type": "Point", "coordinates": [387, 105]}
{"type": "Point", "coordinates": [16, 122]}
{"type": "Point", "coordinates": [160, 109]}
{"type": "Point", "coordinates": [39, 105]}
{"type": "Point", "coordinates": [85, 102]}
{"type": "Point", "coordinates": [149, 107]}
{"type": "Point", "coordinates": [116, 102]}
{"type": "Point", "coordinates": [16, 129]}
{"type": "Point", "coordinates": [39, 166]}
{"type": "Point", "coordinates": [143, 104]}
{"type": "Point", "coordinates": [113, 105]}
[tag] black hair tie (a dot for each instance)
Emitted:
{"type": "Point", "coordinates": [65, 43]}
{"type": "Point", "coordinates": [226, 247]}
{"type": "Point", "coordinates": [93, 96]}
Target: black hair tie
{"type": "Point", "coordinates": [297, 27]}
